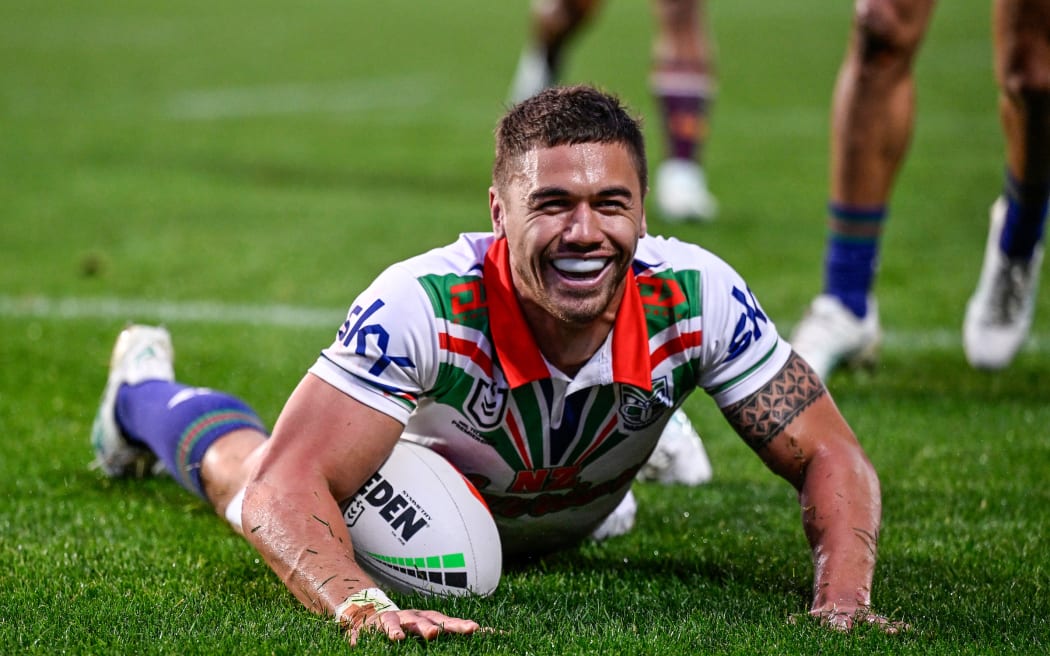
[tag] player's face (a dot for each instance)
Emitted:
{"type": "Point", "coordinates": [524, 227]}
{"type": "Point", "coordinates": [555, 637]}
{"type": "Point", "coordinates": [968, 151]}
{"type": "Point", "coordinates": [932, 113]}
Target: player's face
{"type": "Point", "coordinates": [572, 216]}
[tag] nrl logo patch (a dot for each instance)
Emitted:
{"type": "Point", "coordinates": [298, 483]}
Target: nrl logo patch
{"type": "Point", "coordinates": [639, 409]}
{"type": "Point", "coordinates": [486, 405]}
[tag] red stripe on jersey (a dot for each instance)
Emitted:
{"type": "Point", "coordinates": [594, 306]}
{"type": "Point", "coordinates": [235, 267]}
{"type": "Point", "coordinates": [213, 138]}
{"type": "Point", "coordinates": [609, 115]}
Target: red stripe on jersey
{"type": "Point", "coordinates": [468, 348]}
{"type": "Point", "coordinates": [519, 440]}
{"type": "Point", "coordinates": [516, 349]}
{"type": "Point", "coordinates": [676, 346]}
{"type": "Point", "coordinates": [630, 348]}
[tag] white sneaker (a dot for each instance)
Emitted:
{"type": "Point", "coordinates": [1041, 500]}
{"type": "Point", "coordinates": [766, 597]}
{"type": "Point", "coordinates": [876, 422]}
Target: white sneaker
{"type": "Point", "coordinates": [681, 192]}
{"type": "Point", "coordinates": [679, 456]}
{"type": "Point", "coordinates": [999, 314]}
{"type": "Point", "coordinates": [532, 75]}
{"type": "Point", "coordinates": [830, 334]}
{"type": "Point", "coordinates": [141, 353]}
{"type": "Point", "coordinates": [619, 522]}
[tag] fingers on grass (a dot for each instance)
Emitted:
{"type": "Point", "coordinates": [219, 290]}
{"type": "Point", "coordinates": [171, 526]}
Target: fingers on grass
{"type": "Point", "coordinates": [847, 621]}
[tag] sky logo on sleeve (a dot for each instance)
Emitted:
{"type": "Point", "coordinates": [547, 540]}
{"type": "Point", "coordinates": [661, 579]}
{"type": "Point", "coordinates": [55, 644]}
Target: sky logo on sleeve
{"type": "Point", "coordinates": [747, 329]}
{"type": "Point", "coordinates": [382, 338]}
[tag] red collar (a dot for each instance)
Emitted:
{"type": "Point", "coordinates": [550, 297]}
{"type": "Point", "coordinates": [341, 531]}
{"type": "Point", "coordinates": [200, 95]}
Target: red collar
{"type": "Point", "coordinates": [516, 347]}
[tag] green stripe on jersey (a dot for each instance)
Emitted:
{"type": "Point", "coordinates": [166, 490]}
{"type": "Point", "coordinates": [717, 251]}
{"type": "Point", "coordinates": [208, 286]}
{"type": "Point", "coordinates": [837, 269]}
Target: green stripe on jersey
{"type": "Point", "coordinates": [459, 299]}
{"type": "Point", "coordinates": [751, 370]}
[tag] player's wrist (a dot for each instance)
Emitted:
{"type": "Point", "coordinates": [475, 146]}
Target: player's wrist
{"type": "Point", "coordinates": [370, 601]}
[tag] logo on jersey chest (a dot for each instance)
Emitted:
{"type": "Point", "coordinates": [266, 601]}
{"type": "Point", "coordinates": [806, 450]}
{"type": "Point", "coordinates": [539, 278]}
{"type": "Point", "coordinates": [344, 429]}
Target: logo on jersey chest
{"type": "Point", "coordinates": [639, 409]}
{"type": "Point", "coordinates": [487, 404]}
{"type": "Point", "coordinates": [545, 480]}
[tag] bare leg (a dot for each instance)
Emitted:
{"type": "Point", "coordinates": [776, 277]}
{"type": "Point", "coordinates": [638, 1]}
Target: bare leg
{"type": "Point", "coordinates": [682, 74]}
{"type": "Point", "coordinates": [872, 113]}
{"type": "Point", "coordinates": [1022, 68]}
{"type": "Point", "coordinates": [999, 314]}
{"type": "Point", "coordinates": [554, 23]}
{"type": "Point", "coordinates": [682, 82]}
{"type": "Point", "coordinates": [873, 106]}
{"type": "Point", "coordinates": [228, 463]}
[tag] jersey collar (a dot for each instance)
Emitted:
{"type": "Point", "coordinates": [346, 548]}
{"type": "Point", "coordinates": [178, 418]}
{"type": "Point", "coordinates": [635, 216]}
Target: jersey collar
{"type": "Point", "coordinates": [516, 347]}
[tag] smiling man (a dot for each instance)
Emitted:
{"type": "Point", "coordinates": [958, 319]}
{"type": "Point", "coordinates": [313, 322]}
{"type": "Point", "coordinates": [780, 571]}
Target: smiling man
{"type": "Point", "coordinates": [542, 359]}
{"type": "Point", "coordinates": [572, 216]}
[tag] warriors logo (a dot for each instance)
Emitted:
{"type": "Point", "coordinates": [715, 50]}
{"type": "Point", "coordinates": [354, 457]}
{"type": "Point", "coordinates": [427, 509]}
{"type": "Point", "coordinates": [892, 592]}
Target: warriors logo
{"type": "Point", "coordinates": [638, 409]}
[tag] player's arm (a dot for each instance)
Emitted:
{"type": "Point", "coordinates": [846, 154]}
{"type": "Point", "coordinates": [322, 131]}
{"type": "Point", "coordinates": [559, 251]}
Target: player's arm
{"type": "Point", "coordinates": [324, 446]}
{"type": "Point", "coordinates": [795, 427]}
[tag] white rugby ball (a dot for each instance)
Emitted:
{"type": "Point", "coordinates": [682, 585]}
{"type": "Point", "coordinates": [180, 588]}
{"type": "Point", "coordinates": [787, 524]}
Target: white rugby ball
{"type": "Point", "coordinates": [419, 526]}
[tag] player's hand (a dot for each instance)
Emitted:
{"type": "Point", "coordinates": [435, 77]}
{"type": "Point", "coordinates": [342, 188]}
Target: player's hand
{"type": "Point", "coordinates": [399, 624]}
{"type": "Point", "coordinates": [846, 619]}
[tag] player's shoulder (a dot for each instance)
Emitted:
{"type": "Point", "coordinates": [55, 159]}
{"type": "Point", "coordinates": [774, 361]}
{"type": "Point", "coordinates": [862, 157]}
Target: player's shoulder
{"type": "Point", "coordinates": [463, 257]}
{"type": "Point", "coordinates": [657, 253]}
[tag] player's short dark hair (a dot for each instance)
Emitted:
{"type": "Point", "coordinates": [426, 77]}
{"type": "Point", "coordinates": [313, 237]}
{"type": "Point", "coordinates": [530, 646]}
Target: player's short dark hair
{"type": "Point", "coordinates": [567, 115]}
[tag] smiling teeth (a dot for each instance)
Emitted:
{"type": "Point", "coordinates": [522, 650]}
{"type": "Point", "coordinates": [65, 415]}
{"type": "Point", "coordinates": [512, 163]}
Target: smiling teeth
{"type": "Point", "coordinates": [573, 265]}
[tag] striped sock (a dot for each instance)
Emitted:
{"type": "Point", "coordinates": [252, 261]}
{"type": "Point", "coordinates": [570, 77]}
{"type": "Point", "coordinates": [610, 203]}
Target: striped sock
{"type": "Point", "coordinates": [1026, 210]}
{"type": "Point", "coordinates": [684, 97]}
{"type": "Point", "coordinates": [178, 423]}
{"type": "Point", "coordinates": [852, 254]}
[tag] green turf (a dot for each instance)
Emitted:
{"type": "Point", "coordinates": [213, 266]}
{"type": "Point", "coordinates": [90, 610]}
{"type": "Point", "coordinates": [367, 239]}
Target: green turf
{"type": "Point", "coordinates": [271, 153]}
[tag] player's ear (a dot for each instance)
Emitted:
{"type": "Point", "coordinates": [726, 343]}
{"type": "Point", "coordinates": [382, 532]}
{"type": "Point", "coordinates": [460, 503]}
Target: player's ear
{"type": "Point", "coordinates": [497, 213]}
{"type": "Point", "coordinates": [643, 228]}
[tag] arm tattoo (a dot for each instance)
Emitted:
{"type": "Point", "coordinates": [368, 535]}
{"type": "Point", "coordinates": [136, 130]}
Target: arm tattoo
{"type": "Point", "coordinates": [762, 416]}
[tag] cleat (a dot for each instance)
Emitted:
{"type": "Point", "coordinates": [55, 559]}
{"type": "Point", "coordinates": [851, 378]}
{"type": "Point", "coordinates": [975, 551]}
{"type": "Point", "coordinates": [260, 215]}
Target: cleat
{"type": "Point", "coordinates": [830, 335]}
{"type": "Point", "coordinates": [681, 192]}
{"type": "Point", "coordinates": [619, 522]}
{"type": "Point", "coordinates": [679, 456]}
{"type": "Point", "coordinates": [532, 75]}
{"type": "Point", "coordinates": [141, 353]}
{"type": "Point", "coordinates": [999, 314]}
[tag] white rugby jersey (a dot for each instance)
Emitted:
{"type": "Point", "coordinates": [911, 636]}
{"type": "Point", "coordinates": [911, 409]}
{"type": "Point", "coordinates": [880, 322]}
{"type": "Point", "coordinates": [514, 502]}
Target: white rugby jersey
{"type": "Point", "coordinates": [439, 343]}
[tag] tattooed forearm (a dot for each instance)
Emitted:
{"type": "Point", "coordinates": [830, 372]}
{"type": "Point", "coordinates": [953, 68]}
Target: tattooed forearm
{"type": "Point", "coordinates": [762, 416]}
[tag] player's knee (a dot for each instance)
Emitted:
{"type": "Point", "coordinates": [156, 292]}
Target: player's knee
{"type": "Point", "coordinates": [578, 11]}
{"type": "Point", "coordinates": [1025, 71]}
{"type": "Point", "coordinates": [680, 9]}
{"type": "Point", "coordinates": [886, 32]}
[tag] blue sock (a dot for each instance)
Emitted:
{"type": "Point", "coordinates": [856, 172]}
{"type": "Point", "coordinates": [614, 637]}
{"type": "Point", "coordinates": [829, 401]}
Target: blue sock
{"type": "Point", "coordinates": [852, 254]}
{"type": "Point", "coordinates": [1026, 209]}
{"type": "Point", "coordinates": [178, 423]}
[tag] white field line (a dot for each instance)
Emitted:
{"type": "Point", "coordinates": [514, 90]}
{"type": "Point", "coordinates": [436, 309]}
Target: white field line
{"type": "Point", "coordinates": [363, 95]}
{"type": "Point", "coordinates": [279, 315]}
{"type": "Point", "coordinates": [127, 309]}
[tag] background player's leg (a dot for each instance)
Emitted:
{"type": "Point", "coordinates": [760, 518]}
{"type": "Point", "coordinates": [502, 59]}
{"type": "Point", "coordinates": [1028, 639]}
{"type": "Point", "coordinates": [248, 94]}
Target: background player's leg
{"type": "Point", "coordinates": [873, 110]}
{"type": "Point", "coordinates": [999, 315]}
{"type": "Point", "coordinates": [554, 23]}
{"type": "Point", "coordinates": [682, 81]}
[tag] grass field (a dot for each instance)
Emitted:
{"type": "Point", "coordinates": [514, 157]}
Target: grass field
{"type": "Point", "coordinates": [240, 170]}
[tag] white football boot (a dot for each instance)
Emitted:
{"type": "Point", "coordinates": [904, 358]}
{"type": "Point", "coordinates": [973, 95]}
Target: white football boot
{"type": "Point", "coordinates": [619, 522]}
{"type": "Point", "coordinates": [532, 75]}
{"type": "Point", "coordinates": [681, 192]}
{"type": "Point", "coordinates": [830, 334]}
{"type": "Point", "coordinates": [679, 456]}
{"type": "Point", "coordinates": [999, 314]}
{"type": "Point", "coordinates": [141, 353]}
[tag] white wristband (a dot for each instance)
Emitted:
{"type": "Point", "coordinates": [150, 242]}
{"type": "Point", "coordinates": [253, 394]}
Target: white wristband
{"type": "Point", "coordinates": [369, 596]}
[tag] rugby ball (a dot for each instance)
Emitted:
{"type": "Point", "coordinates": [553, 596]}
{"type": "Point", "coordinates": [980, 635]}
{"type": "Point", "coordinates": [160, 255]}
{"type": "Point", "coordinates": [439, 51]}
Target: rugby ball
{"type": "Point", "coordinates": [419, 526]}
